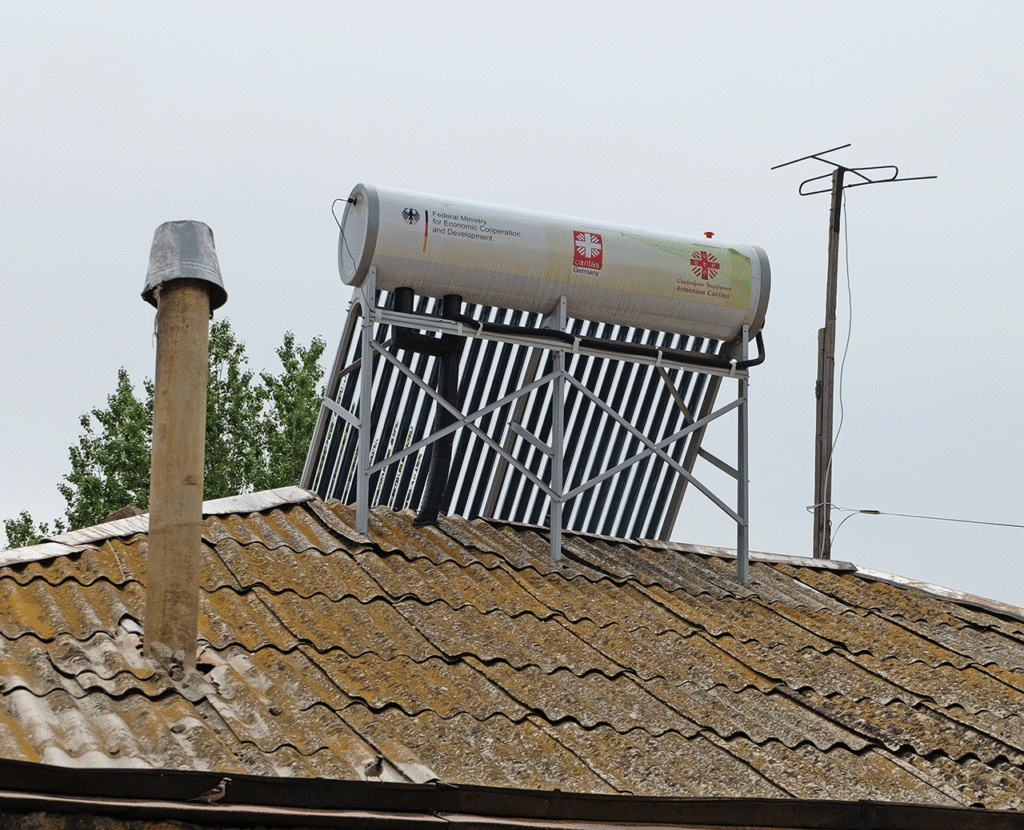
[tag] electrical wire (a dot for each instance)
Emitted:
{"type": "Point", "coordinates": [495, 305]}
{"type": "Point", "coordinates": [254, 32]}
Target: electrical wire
{"type": "Point", "coordinates": [842, 414]}
{"type": "Point", "coordinates": [335, 215]}
{"type": "Point", "coordinates": [842, 363]}
{"type": "Point", "coordinates": [340, 228]}
{"type": "Point", "coordinates": [846, 351]}
{"type": "Point", "coordinates": [854, 511]}
{"type": "Point", "coordinates": [849, 328]}
{"type": "Point", "coordinates": [842, 366]}
{"type": "Point", "coordinates": [839, 526]}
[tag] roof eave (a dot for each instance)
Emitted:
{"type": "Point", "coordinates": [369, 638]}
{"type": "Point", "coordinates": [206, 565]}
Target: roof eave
{"type": "Point", "coordinates": [321, 802]}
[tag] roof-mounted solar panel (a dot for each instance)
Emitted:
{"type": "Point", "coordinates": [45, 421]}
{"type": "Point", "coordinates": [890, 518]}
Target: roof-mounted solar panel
{"type": "Point", "coordinates": [635, 503]}
{"type": "Point", "coordinates": [534, 368]}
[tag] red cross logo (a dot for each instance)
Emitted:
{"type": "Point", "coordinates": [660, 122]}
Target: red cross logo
{"type": "Point", "coordinates": [704, 265]}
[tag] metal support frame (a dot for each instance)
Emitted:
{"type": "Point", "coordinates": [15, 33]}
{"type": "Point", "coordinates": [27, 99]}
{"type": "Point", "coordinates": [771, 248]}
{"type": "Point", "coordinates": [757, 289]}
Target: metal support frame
{"type": "Point", "coordinates": [558, 378]}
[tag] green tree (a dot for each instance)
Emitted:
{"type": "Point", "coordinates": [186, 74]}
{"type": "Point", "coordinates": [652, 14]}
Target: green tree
{"type": "Point", "coordinates": [110, 463]}
{"type": "Point", "coordinates": [294, 404]}
{"type": "Point", "coordinates": [236, 437]}
{"type": "Point", "coordinates": [257, 435]}
{"type": "Point", "coordinates": [23, 531]}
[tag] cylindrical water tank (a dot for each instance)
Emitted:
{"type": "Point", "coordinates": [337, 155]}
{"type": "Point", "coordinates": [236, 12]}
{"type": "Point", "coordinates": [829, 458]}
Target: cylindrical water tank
{"type": "Point", "coordinates": [501, 256]}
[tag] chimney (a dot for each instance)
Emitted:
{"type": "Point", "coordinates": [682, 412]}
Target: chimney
{"type": "Point", "coordinates": [185, 285]}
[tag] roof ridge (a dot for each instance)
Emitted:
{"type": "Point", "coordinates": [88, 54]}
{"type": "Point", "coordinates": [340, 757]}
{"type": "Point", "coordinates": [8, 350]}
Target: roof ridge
{"type": "Point", "coordinates": [960, 597]}
{"type": "Point", "coordinates": [75, 541]}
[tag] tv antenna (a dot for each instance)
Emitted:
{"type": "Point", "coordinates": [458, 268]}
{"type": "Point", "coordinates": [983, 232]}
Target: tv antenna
{"type": "Point", "coordinates": [823, 442]}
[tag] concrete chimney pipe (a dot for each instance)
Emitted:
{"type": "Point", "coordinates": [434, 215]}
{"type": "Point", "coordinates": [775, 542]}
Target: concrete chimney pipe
{"type": "Point", "coordinates": [184, 284]}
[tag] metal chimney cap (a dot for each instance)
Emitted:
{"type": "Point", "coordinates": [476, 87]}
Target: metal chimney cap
{"type": "Point", "coordinates": [184, 250]}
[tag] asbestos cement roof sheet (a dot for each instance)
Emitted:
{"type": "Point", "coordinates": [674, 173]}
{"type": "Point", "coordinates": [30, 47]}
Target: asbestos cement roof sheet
{"type": "Point", "coordinates": [463, 654]}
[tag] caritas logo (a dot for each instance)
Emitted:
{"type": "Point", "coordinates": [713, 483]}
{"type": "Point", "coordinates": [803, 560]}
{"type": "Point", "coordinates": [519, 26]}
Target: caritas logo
{"type": "Point", "coordinates": [587, 251]}
{"type": "Point", "coordinates": [704, 265]}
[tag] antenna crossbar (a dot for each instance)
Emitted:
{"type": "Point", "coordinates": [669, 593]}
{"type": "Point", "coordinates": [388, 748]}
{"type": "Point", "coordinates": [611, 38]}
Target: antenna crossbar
{"type": "Point", "coordinates": [817, 156]}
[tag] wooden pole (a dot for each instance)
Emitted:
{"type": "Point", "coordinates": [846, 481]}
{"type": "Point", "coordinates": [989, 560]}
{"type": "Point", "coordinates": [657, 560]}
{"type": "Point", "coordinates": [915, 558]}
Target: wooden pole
{"type": "Point", "coordinates": [176, 478]}
{"type": "Point", "coordinates": [826, 381]}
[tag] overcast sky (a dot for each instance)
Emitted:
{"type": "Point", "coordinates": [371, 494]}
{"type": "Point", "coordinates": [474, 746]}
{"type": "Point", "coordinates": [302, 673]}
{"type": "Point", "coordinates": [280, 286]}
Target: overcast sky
{"type": "Point", "coordinates": [254, 117]}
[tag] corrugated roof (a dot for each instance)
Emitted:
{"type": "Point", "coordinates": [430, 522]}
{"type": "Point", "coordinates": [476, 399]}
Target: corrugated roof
{"type": "Point", "coordinates": [464, 654]}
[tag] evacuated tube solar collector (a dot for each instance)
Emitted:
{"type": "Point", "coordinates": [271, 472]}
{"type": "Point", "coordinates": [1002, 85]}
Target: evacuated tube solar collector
{"type": "Point", "coordinates": [500, 256]}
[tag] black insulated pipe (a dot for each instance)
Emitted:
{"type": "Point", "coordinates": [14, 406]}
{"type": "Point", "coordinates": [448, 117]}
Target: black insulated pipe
{"type": "Point", "coordinates": [694, 359]}
{"type": "Point", "coordinates": [448, 350]}
{"type": "Point", "coordinates": [416, 341]}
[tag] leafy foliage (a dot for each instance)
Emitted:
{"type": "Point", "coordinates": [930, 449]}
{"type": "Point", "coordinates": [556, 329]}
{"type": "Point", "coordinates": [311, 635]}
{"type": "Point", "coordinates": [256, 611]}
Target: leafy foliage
{"type": "Point", "coordinates": [110, 464]}
{"type": "Point", "coordinates": [23, 531]}
{"type": "Point", "coordinates": [235, 429]}
{"type": "Point", "coordinates": [257, 435]}
{"type": "Point", "coordinates": [294, 404]}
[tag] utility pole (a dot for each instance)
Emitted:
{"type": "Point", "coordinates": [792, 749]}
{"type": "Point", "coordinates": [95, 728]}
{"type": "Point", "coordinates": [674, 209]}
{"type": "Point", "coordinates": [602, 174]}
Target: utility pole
{"type": "Point", "coordinates": [823, 390]}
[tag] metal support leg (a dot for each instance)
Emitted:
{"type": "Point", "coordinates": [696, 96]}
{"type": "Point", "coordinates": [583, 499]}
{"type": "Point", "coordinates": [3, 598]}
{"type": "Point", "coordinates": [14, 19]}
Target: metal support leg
{"type": "Point", "coordinates": [743, 478]}
{"type": "Point", "coordinates": [365, 404]}
{"type": "Point", "coordinates": [558, 436]}
{"type": "Point", "coordinates": [558, 430]}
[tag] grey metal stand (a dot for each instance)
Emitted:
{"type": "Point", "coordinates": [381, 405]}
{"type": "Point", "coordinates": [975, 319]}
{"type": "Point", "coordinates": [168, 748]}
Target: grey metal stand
{"type": "Point", "coordinates": [371, 314]}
